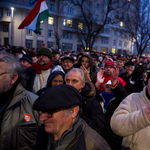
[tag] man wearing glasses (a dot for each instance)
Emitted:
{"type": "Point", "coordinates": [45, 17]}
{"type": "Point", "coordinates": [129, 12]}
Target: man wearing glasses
{"type": "Point", "coordinates": [18, 121]}
{"type": "Point", "coordinates": [63, 128]}
{"type": "Point", "coordinates": [67, 63]}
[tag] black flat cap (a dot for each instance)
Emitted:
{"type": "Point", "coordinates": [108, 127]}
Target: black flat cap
{"type": "Point", "coordinates": [56, 97]}
{"type": "Point", "coordinates": [129, 63]}
{"type": "Point", "coordinates": [67, 57]}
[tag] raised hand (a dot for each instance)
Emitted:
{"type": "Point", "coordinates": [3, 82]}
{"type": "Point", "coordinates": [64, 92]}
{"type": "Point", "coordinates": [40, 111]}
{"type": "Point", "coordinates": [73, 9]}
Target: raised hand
{"type": "Point", "coordinates": [86, 73]}
{"type": "Point", "coordinates": [100, 78]}
{"type": "Point", "coordinates": [114, 76]}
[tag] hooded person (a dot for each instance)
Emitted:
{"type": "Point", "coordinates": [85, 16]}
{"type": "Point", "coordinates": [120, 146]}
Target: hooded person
{"type": "Point", "coordinates": [86, 65]}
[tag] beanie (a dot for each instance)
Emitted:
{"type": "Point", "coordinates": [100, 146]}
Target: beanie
{"type": "Point", "coordinates": [110, 63]}
{"type": "Point", "coordinates": [27, 58]}
{"type": "Point", "coordinates": [45, 52]}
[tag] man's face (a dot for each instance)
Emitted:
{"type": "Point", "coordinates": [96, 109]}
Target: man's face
{"type": "Point", "coordinates": [108, 70]}
{"type": "Point", "coordinates": [56, 57]}
{"type": "Point", "coordinates": [57, 80]}
{"type": "Point", "coordinates": [94, 61]}
{"type": "Point", "coordinates": [108, 89]}
{"type": "Point", "coordinates": [67, 64]}
{"type": "Point", "coordinates": [74, 79]}
{"type": "Point", "coordinates": [129, 69]}
{"type": "Point", "coordinates": [56, 122]}
{"type": "Point", "coordinates": [5, 78]}
{"type": "Point", "coordinates": [85, 62]}
{"type": "Point", "coordinates": [25, 64]}
{"type": "Point", "coordinates": [144, 60]}
{"type": "Point", "coordinates": [120, 64]}
{"type": "Point", "coordinates": [43, 60]}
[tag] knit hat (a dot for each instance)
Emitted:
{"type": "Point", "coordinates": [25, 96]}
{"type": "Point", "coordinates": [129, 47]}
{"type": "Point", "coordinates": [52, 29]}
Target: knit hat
{"type": "Point", "coordinates": [129, 63]}
{"type": "Point", "coordinates": [45, 51]}
{"type": "Point", "coordinates": [110, 63]}
{"type": "Point", "coordinates": [66, 96]}
{"type": "Point", "coordinates": [94, 56]}
{"type": "Point", "coordinates": [27, 58]}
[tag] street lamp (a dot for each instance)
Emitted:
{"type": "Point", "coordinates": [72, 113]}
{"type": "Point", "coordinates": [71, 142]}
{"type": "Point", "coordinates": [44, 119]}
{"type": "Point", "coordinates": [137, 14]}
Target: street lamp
{"type": "Point", "coordinates": [12, 11]}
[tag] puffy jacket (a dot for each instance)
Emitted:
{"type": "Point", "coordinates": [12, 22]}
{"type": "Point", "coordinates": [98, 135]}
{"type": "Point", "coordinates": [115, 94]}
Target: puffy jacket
{"type": "Point", "coordinates": [20, 122]}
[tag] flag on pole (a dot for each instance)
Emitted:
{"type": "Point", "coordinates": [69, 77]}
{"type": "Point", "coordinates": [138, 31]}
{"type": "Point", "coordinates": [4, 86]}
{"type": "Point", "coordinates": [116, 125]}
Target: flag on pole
{"type": "Point", "coordinates": [37, 14]}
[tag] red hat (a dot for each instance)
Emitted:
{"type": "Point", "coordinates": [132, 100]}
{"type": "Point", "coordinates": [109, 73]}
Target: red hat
{"type": "Point", "coordinates": [110, 63]}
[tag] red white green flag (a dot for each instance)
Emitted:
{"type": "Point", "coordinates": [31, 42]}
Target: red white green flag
{"type": "Point", "coordinates": [37, 14]}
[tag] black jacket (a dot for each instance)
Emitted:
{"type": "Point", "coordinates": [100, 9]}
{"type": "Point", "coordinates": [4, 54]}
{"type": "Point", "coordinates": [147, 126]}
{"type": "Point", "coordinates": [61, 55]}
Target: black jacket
{"type": "Point", "coordinates": [113, 140]}
{"type": "Point", "coordinates": [92, 112]}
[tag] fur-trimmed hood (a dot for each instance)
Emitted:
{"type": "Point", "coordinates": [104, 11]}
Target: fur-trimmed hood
{"type": "Point", "coordinates": [88, 90]}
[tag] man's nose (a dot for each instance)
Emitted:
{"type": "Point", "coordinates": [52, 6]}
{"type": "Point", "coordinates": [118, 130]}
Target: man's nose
{"type": "Point", "coordinates": [43, 117]}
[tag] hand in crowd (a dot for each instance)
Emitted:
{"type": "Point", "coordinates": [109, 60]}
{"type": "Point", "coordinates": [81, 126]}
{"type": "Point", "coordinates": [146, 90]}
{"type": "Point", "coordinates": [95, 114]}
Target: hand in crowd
{"type": "Point", "coordinates": [86, 73]}
{"type": "Point", "coordinates": [100, 78]}
{"type": "Point", "coordinates": [114, 76]}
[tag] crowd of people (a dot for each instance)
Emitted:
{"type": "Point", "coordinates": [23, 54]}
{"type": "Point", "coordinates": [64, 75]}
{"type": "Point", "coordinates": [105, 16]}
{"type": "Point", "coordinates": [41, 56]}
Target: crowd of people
{"type": "Point", "coordinates": [67, 100]}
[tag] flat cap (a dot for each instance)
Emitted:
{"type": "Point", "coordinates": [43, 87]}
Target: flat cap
{"type": "Point", "coordinates": [67, 57]}
{"type": "Point", "coordinates": [56, 97]}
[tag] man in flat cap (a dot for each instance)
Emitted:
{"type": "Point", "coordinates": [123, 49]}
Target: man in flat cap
{"type": "Point", "coordinates": [39, 72]}
{"type": "Point", "coordinates": [63, 128]}
{"type": "Point", "coordinates": [67, 63]}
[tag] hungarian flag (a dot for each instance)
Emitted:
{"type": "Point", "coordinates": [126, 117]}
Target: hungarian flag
{"type": "Point", "coordinates": [37, 14]}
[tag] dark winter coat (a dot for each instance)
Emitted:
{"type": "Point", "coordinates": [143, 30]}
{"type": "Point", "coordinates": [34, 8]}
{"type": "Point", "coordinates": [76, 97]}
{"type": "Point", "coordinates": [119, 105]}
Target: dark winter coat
{"type": "Point", "coordinates": [18, 131]}
{"type": "Point", "coordinates": [92, 112]}
{"type": "Point", "coordinates": [79, 137]}
{"type": "Point", "coordinates": [113, 140]}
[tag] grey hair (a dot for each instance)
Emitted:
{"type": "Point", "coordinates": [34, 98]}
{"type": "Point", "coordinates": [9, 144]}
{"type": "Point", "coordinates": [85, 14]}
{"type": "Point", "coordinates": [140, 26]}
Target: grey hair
{"type": "Point", "coordinates": [77, 70]}
{"type": "Point", "coordinates": [14, 65]}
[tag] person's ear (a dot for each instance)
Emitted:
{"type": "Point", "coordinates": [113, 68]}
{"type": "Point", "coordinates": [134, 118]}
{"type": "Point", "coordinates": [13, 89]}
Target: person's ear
{"type": "Point", "coordinates": [75, 111]}
{"type": "Point", "coordinates": [14, 78]}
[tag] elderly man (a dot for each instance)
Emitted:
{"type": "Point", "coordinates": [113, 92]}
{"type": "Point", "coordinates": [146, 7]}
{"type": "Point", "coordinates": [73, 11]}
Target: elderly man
{"type": "Point", "coordinates": [92, 112]}
{"type": "Point", "coordinates": [18, 121]}
{"type": "Point", "coordinates": [67, 63]}
{"type": "Point", "coordinates": [39, 72]}
{"type": "Point", "coordinates": [131, 120]}
{"type": "Point", "coordinates": [63, 128]}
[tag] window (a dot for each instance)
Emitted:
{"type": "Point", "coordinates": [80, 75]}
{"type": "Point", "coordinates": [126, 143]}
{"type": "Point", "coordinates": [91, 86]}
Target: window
{"type": "Point", "coordinates": [104, 40]}
{"type": "Point", "coordinates": [66, 46]}
{"type": "Point", "coordinates": [67, 35]}
{"type": "Point", "coordinates": [107, 30]}
{"type": "Point", "coordinates": [40, 33]}
{"type": "Point", "coordinates": [120, 43]}
{"type": "Point", "coordinates": [64, 34]}
{"type": "Point", "coordinates": [125, 44]}
{"type": "Point", "coordinates": [1, 12]}
{"type": "Point", "coordinates": [41, 21]}
{"type": "Point", "coordinates": [29, 32]}
{"type": "Point", "coordinates": [51, 7]}
{"type": "Point", "coordinates": [115, 33]}
{"type": "Point", "coordinates": [39, 44]}
{"type": "Point", "coordinates": [114, 42]}
{"type": "Point", "coordinates": [120, 34]}
{"type": "Point", "coordinates": [29, 43]}
{"type": "Point", "coordinates": [90, 5]}
{"type": "Point", "coordinates": [117, 15]}
{"type": "Point", "coordinates": [79, 48]}
{"type": "Point", "coordinates": [50, 44]}
{"type": "Point", "coordinates": [80, 26]}
{"type": "Point", "coordinates": [49, 33]}
{"type": "Point", "coordinates": [64, 22]}
{"type": "Point", "coordinates": [8, 12]}
{"type": "Point", "coordinates": [50, 20]}
{"type": "Point", "coordinates": [96, 17]}
{"type": "Point", "coordinates": [121, 23]}
{"type": "Point", "coordinates": [95, 40]}
{"type": "Point", "coordinates": [70, 10]}
{"type": "Point", "coordinates": [127, 17]}
{"type": "Point", "coordinates": [6, 28]}
{"type": "Point", "coordinates": [122, 16]}
{"type": "Point", "coordinates": [69, 23]}
{"type": "Point", "coordinates": [71, 36]}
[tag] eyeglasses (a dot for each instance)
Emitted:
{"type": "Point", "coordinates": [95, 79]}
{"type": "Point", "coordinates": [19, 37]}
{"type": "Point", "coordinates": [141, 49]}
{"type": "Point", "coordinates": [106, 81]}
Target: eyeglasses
{"type": "Point", "coordinates": [4, 73]}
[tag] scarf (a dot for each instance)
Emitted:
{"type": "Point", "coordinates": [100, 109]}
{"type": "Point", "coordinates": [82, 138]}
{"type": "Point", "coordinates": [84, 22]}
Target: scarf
{"type": "Point", "coordinates": [107, 97]}
{"type": "Point", "coordinates": [39, 68]}
{"type": "Point", "coordinates": [107, 78]}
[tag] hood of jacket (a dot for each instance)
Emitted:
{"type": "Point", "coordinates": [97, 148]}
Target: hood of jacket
{"type": "Point", "coordinates": [88, 90]}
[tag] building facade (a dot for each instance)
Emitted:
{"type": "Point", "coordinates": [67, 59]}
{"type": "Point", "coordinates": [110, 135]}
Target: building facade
{"type": "Point", "coordinates": [13, 12]}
